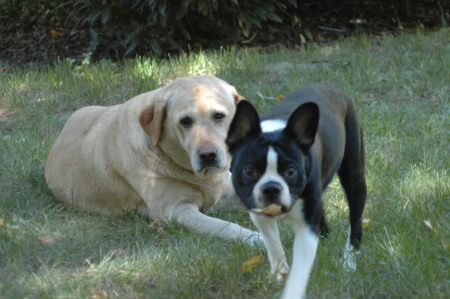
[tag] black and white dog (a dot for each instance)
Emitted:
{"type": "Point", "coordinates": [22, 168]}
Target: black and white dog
{"type": "Point", "coordinates": [281, 166]}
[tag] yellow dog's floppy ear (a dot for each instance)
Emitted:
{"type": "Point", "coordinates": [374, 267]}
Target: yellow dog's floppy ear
{"type": "Point", "coordinates": [236, 95]}
{"type": "Point", "coordinates": [151, 120]}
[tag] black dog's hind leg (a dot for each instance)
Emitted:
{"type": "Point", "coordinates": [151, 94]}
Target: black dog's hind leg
{"type": "Point", "coordinates": [352, 177]}
{"type": "Point", "coordinates": [324, 229]}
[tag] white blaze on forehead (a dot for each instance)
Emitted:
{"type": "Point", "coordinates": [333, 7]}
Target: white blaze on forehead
{"type": "Point", "coordinates": [272, 125]}
{"type": "Point", "coordinates": [272, 162]}
{"type": "Point", "coordinates": [271, 175]}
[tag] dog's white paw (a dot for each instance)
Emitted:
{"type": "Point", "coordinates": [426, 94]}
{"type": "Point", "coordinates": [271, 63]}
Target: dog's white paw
{"type": "Point", "coordinates": [282, 274]}
{"type": "Point", "coordinates": [349, 260]}
{"type": "Point", "coordinates": [281, 271]}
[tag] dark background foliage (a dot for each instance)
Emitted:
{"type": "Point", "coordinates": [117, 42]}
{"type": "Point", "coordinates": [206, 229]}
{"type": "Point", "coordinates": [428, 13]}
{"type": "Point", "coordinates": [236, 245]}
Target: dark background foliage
{"type": "Point", "coordinates": [42, 30]}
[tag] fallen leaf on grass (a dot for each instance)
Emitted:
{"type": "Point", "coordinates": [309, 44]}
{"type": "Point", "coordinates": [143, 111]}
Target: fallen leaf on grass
{"type": "Point", "coordinates": [250, 264]}
{"type": "Point", "coordinates": [365, 222]}
{"type": "Point", "coordinates": [101, 294]}
{"type": "Point", "coordinates": [47, 240]}
{"type": "Point", "coordinates": [430, 226]}
{"type": "Point", "coordinates": [154, 226]}
{"type": "Point", "coordinates": [280, 98]}
{"type": "Point", "coordinates": [1, 222]}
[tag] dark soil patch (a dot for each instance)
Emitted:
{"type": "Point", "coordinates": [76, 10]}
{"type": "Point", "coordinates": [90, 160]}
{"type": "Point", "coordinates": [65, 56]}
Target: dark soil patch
{"type": "Point", "coordinates": [315, 21]}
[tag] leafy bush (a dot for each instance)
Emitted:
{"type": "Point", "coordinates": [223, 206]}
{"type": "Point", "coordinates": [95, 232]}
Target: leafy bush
{"type": "Point", "coordinates": [26, 14]}
{"type": "Point", "coordinates": [124, 27]}
{"type": "Point", "coordinates": [175, 23]}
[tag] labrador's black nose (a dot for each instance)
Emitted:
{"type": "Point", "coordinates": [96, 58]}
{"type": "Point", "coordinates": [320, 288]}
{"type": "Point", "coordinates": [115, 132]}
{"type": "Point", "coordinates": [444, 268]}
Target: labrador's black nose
{"type": "Point", "coordinates": [207, 155]}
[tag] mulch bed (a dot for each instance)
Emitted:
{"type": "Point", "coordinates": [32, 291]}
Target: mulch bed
{"type": "Point", "coordinates": [317, 21]}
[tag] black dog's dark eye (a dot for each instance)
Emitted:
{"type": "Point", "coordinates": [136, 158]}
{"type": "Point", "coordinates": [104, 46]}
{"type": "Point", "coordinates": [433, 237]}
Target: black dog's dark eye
{"type": "Point", "coordinates": [218, 116]}
{"type": "Point", "coordinates": [186, 122]}
{"type": "Point", "coordinates": [290, 172]}
{"type": "Point", "coordinates": [250, 172]}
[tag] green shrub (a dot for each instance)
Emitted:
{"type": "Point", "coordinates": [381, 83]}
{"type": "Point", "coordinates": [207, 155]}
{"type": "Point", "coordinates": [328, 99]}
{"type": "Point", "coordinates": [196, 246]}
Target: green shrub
{"type": "Point", "coordinates": [125, 26]}
{"type": "Point", "coordinates": [26, 14]}
{"type": "Point", "coordinates": [130, 24]}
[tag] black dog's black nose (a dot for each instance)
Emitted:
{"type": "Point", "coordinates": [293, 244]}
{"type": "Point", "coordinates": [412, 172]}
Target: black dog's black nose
{"type": "Point", "coordinates": [207, 155]}
{"type": "Point", "coordinates": [271, 190]}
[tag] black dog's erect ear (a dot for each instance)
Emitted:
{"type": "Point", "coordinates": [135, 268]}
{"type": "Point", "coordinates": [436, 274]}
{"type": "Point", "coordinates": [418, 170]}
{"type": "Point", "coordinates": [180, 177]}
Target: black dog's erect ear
{"type": "Point", "coordinates": [302, 125]}
{"type": "Point", "coordinates": [245, 124]}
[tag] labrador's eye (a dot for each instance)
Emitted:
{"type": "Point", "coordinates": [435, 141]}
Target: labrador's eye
{"type": "Point", "coordinates": [186, 122]}
{"type": "Point", "coordinates": [218, 116]}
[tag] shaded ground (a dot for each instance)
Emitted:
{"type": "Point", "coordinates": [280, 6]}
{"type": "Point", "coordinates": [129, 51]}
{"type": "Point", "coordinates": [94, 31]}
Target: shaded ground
{"type": "Point", "coordinates": [315, 21]}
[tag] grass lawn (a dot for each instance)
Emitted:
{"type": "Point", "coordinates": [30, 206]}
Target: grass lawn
{"type": "Point", "coordinates": [401, 88]}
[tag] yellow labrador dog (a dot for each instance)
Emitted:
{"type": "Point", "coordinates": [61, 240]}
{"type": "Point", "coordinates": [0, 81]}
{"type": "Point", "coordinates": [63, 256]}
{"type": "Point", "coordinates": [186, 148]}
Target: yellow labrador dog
{"type": "Point", "coordinates": [161, 153]}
